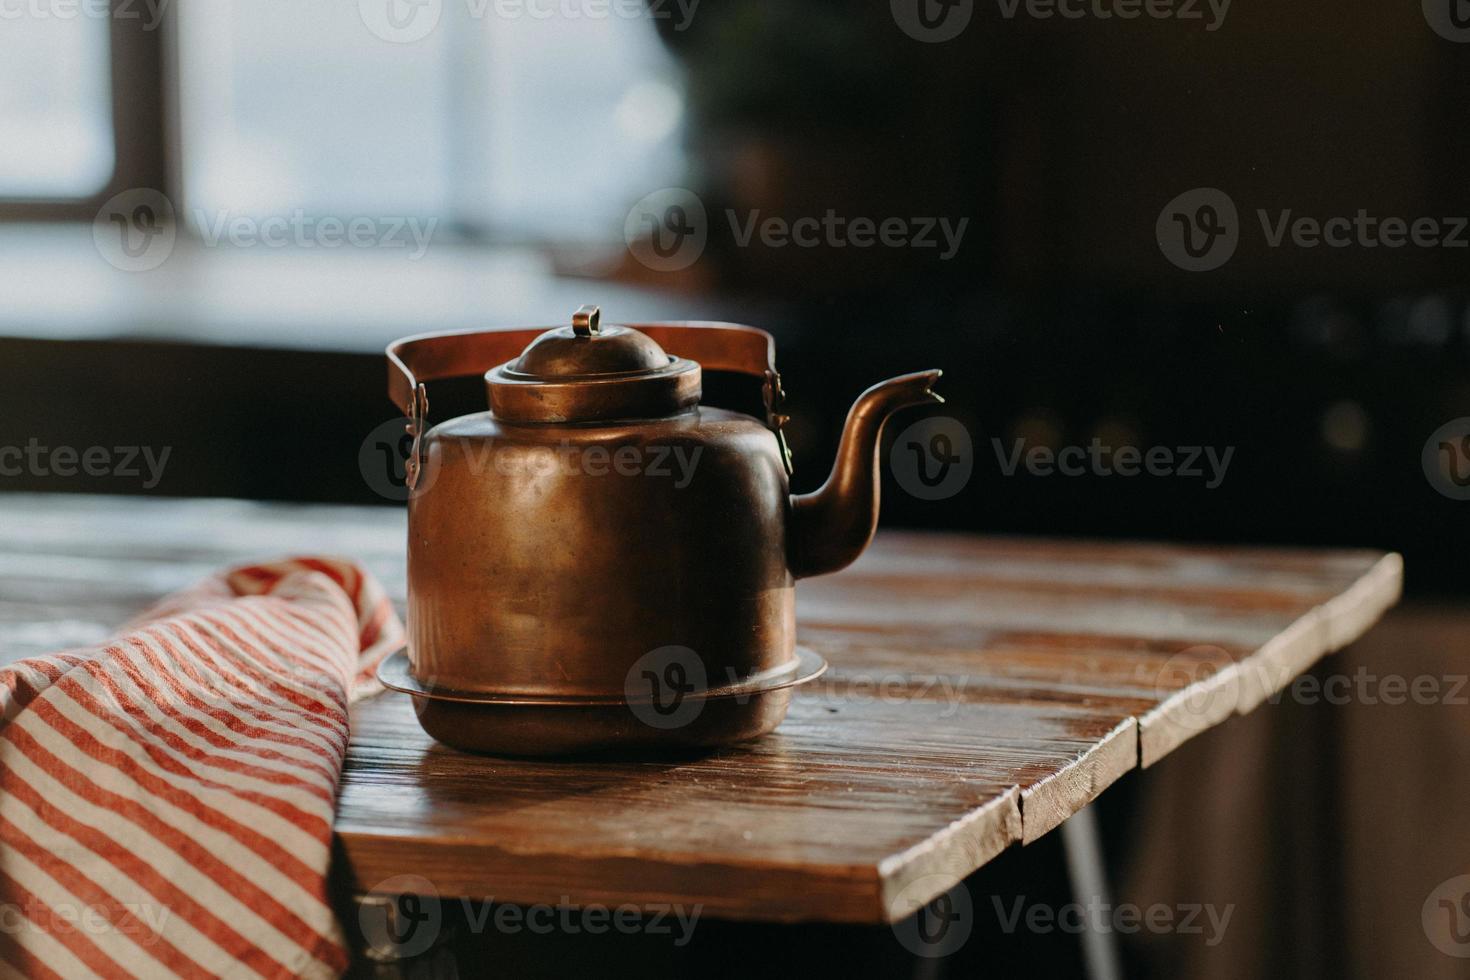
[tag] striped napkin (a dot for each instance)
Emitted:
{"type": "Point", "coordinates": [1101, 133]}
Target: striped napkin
{"type": "Point", "coordinates": [166, 798]}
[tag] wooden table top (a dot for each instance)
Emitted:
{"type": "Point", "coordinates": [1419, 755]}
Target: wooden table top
{"type": "Point", "coordinates": [982, 690]}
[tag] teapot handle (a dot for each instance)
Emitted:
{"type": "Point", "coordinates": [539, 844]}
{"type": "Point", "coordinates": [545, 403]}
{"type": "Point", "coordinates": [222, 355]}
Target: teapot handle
{"type": "Point", "coordinates": [455, 354]}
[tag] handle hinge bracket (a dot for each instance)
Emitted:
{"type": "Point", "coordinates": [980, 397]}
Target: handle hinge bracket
{"type": "Point", "coordinates": [417, 424]}
{"type": "Point", "coordinates": [775, 398]}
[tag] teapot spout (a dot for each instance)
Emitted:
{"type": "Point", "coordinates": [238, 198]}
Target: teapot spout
{"type": "Point", "coordinates": [831, 527]}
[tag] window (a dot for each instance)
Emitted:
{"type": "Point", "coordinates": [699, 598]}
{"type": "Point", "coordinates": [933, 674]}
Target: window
{"type": "Point", "coordinates": [56, 137]}
{"type": "Point", "coordinates": [521, 128]}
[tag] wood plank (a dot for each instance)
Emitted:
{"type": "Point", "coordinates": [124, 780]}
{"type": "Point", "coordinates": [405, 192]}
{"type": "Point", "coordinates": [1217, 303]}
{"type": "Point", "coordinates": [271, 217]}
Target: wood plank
{"type": "Point", "coordinates": [826, 819]}
{"type": "Point", "coordinates": [982, 690]}
{"type": "Point", "coordinates": [1155, 631]}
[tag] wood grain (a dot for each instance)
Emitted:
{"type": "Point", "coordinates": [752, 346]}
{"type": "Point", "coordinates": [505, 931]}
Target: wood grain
{"type": "Point", "coordinates": [982, 690]}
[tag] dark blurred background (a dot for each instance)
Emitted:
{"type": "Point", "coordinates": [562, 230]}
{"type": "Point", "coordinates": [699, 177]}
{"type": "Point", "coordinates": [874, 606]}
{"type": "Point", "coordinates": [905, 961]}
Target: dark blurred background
{"type": "Point", "coordinates": [169, 183]}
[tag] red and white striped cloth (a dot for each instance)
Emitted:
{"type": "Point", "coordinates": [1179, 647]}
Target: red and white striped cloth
{"type": "Point", "coordinates": [166, 798]}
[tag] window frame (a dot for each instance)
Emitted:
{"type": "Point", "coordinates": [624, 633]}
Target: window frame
{"type": "Point", "coordinates": [139, 121]}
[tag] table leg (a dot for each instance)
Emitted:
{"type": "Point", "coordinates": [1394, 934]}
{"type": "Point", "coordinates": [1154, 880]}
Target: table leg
{"type": "Point", "coordinates": [1083, 844]}
{"type": "Point", "coordinates": [398, 937]}
{"type": "Point", "coordinates": [929, 969]}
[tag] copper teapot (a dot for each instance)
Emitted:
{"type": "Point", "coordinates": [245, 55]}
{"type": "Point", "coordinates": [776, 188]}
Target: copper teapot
{"type": "Point", "coordinates": [600, 561]}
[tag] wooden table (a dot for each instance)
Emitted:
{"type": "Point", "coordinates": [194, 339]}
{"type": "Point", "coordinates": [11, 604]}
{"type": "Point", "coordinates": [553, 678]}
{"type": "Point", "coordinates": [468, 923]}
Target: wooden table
{"type": "Point", "coordinates": [982, 691]}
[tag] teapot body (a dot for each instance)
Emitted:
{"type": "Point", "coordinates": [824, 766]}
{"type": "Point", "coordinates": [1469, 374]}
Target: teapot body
{"type": "Point", "coordinates": [550, 560]}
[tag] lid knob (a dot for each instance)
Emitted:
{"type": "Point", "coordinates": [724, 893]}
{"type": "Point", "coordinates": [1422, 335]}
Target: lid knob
{"type": "Point", "coordinates": [587, 322]}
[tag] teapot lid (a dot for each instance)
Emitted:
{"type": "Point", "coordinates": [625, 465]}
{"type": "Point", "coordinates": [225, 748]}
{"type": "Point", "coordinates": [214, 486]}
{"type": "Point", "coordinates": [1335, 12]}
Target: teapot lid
{"type": "Point", "coordinates": [587, 372]}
